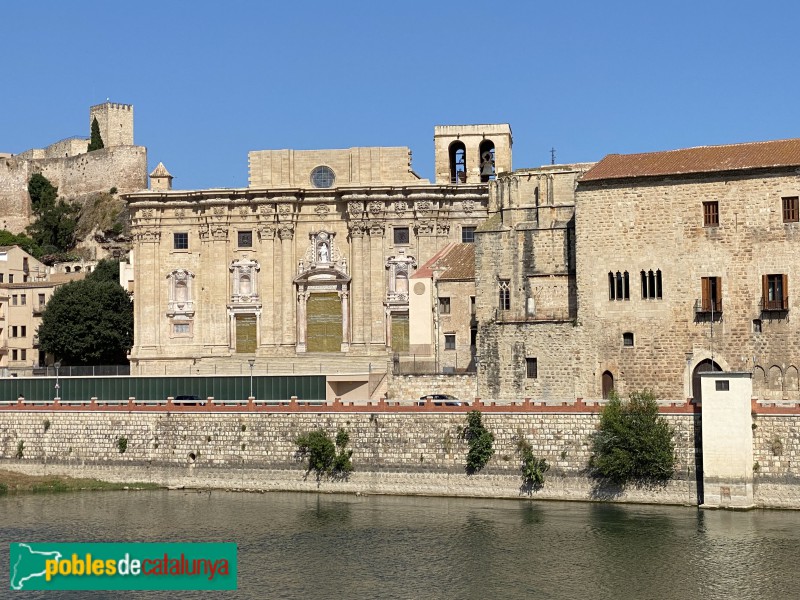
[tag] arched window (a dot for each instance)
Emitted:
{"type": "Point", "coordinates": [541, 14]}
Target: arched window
{"type": "Point", "coordinates": [619, 286]}
{"type": "Point", "coordinates": [458, 162]}
{"type": "Point", "coordinates": [77, 268]}
{"type": "Point", "coordinates": [486, 151]}
{"type": "Point", "coordinates": [67, 269]}
{"type": "Point", "coordinates": [608, 384]}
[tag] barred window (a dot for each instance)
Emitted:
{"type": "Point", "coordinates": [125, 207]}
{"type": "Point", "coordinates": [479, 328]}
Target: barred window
{"type": "Point", "coordinates": [711, 214]}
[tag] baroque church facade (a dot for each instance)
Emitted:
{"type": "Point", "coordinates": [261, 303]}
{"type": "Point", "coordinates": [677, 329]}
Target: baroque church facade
{"type": "Point", "coordinates": [310, 263]}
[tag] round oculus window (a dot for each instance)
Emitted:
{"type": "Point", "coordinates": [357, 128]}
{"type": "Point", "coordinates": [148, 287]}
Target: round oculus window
{"type": "Point", "coordinates": [322, 177]}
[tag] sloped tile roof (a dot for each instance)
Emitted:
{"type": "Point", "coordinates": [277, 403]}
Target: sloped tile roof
{"type": "Point", "coordinates": [457, 262]}
{"type": "Point", "coordinates": [704, 159]}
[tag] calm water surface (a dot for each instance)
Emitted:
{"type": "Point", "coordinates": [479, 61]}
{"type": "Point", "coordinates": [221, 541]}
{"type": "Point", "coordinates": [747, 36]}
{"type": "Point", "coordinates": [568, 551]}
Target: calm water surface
{"type": "Point", "coordinates": [332, 546]}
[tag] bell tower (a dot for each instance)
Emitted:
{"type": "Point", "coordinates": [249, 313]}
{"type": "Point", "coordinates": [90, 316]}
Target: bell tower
{"type": "Point", "coordinates": [471, 153]}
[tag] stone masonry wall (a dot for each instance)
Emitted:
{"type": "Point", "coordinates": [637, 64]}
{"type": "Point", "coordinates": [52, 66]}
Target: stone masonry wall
{"type": "Point", "coordinates": [123, 167]}
{"type": "Point", "coordinates": [659, 225]}
{"type": "Point", "coordinates": [392, 453]}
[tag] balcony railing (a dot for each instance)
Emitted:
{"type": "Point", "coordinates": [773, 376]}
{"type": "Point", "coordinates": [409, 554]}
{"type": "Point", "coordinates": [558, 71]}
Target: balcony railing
{"type": "Point", "coordinates": [779, 305]}
{"type": "Point", "coordinates": [708, 306]}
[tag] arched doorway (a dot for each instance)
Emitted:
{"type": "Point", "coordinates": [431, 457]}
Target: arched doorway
{"type": "Point", "coordinates": [703, 366]}
{"type": "Point", "coordinates": [608, 384]}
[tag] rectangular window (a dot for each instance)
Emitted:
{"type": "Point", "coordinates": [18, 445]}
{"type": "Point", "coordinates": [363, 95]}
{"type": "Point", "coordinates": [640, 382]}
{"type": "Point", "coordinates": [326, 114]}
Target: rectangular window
{"type": "Point", "coordinates": [711, 298]}
{"type": "Point", "coordinates": [722, 385]}
{"type": "Point", "coordinates": [505, 295]}
{"type": "Point", "coordinates": [13, 355]}
{"type": "Point", "coordinates": [400, 236]}
{"type": "Point", "coordinates": [775, 292]}
{"type": "Point", "coordinates": [41, 300]}
{"type": "Point", "coordinates": [444, 306]}
{"type": "Point", "coordinates": [627, 339]}
{"type": "Point", "coordinates": [2, 277]}
{"type": "Point", "coordinates": [14, 299]}
{"type": "Point", "coordinates": [13, 331]}
{"type": "Point", "coordinates": [450, 341]}
{"type": "Point", "coordinates": [651, 285]}
{"type": "Point", "coordinates": [23, 354]}
{"type": "Point", "coordinates": [23, 298]}
{"type": "Point", "coordinates": [472, 305]}
{"type": "Point", "coordinates": [181, 328]}
{"type": "Point", "coordinates": [791, 209]}
{"type": "Point", "coordinates": [468, 235]}
{"type": "Point", "coordinates": [532, 368]}
{"type": "Point", "coordinates": [711, 214]}
{"type": "Point", "coordinates": [23, 331]}
{"type": "Point", "coordinates": [10, 278]}
{"type": "Point", "coordinates": [180, 241]}
{"type": "Point", "coordinates": [245, 239]}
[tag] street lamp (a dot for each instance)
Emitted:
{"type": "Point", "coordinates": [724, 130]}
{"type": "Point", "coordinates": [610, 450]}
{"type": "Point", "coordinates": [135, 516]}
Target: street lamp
{"type": "Point", "coordinates": [57, 365]}
{"type": "Point", "coordinates": [251, 362]}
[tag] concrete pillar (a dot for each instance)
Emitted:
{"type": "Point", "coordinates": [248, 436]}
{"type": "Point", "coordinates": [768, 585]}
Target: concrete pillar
{"type": "Point", "coordinates": [727, 440]}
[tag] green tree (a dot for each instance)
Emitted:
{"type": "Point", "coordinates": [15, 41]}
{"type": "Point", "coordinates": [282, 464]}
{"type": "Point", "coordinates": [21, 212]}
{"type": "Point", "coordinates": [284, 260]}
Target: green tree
{"type": "Point", "coordinates": [106, 270]}
{"type": "Point", "coordinates": [324, 456]}
{"type": "Point", "coordinates": [54, 227]}
{"type": "Point", "coordinates": [96, 142]}
{"type": "Point", "coordinates": [633, 442]}
{"type": "Point", "coordinates": [42, 192]}
{"type": "Point", "coordinates": [480, 440]}
{"type": "Point", "coordinates": [88, 322]}
{"type": "Point", "coordinates": [23, 241]}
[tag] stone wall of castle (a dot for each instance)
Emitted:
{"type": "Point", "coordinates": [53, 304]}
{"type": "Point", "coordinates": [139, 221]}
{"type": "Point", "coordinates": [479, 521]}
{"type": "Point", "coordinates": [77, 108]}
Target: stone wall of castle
{"type": "Point", "coordinates": [392, 453]}
{"type": "Point", "coordinates": [658, 225]}
{"type": "Point", "coordinates": [123, 167]}
{"type": "Point", "coordinates": [530, 342]}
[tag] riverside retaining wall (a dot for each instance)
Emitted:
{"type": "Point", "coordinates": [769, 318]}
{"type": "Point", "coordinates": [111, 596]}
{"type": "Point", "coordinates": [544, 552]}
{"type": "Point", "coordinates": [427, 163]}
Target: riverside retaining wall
{"type": "Point", "coordinates": [393, 453]}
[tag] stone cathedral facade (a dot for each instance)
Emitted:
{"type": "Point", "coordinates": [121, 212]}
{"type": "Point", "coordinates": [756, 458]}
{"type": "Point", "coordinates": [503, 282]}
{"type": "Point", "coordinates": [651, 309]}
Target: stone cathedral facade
{"type": "Point", "coordinates": [310, 262]}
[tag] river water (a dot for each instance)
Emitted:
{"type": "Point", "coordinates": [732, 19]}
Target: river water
{"type": "Point", "coordinates": [295, 545]}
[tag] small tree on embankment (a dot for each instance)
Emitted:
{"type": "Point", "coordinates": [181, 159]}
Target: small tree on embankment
{"type": "Point", "coordinates": [633, 442]}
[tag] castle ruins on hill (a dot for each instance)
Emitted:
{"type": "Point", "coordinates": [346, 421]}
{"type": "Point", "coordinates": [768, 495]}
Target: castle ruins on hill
{"type": "Point", "coordinates": [70, 167]}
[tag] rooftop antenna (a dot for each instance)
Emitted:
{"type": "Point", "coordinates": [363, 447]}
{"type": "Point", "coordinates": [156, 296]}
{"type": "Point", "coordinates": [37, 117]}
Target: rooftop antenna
{"type": "Point", "coordinates": [552, 156]}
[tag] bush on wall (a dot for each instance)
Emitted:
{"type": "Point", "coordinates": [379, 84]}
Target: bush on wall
{"type": "Point", "coordinates": [324, 456]}
{"type": "Point", "coordinates": [633, 442]}
{"type": "Point", "coordinates": [480, 440]}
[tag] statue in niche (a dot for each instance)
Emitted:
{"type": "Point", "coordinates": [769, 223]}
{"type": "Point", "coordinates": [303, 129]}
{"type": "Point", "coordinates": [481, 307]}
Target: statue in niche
{"type": "Point", "coordinates": [323, 253]}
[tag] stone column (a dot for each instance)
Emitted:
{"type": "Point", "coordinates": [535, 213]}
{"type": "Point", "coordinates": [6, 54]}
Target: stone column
{"type": "Point", "coordinates": [302, 301]}
{"type": "Point", "coordinates": [359, 281]}
{"type": "Point", "coordinates": [376, 280]}
{"type": "Point", "coordinates": [286, 233]}
{"type": "Point", "coordinates": [344, 295]}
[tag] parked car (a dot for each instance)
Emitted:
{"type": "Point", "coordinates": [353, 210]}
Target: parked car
{"type": "Point", "coordinates": [187, 400]}
{"type": "Point", "coordinates": [442, 400]}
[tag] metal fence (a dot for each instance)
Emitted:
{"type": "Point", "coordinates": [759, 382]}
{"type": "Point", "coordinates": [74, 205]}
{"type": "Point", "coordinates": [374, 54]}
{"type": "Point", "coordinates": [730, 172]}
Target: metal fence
{"type": "Point", "coordinates": [64, 371]}
{"type": "Point", "coordinates": [454, 364]}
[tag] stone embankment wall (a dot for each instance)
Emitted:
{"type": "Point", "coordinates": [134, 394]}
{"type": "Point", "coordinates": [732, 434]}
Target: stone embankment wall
{"type": "Point", "coordinates": [393, 453]}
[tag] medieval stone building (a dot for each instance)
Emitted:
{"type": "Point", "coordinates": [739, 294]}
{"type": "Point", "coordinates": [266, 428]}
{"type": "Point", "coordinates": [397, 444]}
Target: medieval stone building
{"type": "Point", "coordinates": [681, 262]}
{"type": "Point", "coordinates": [72, 169]}
{"type": "Point", "coordinates": [310, 263]}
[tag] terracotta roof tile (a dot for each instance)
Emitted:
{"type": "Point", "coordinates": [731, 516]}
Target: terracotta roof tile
{"type": "Point", "coordinates": [456, 261]}
{"type": "Point", "coordinates": [704, 159]}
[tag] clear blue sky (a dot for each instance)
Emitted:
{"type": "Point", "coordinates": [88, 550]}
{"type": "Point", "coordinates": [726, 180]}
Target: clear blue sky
{"type": "Point", "coordinates": [211, 81]}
